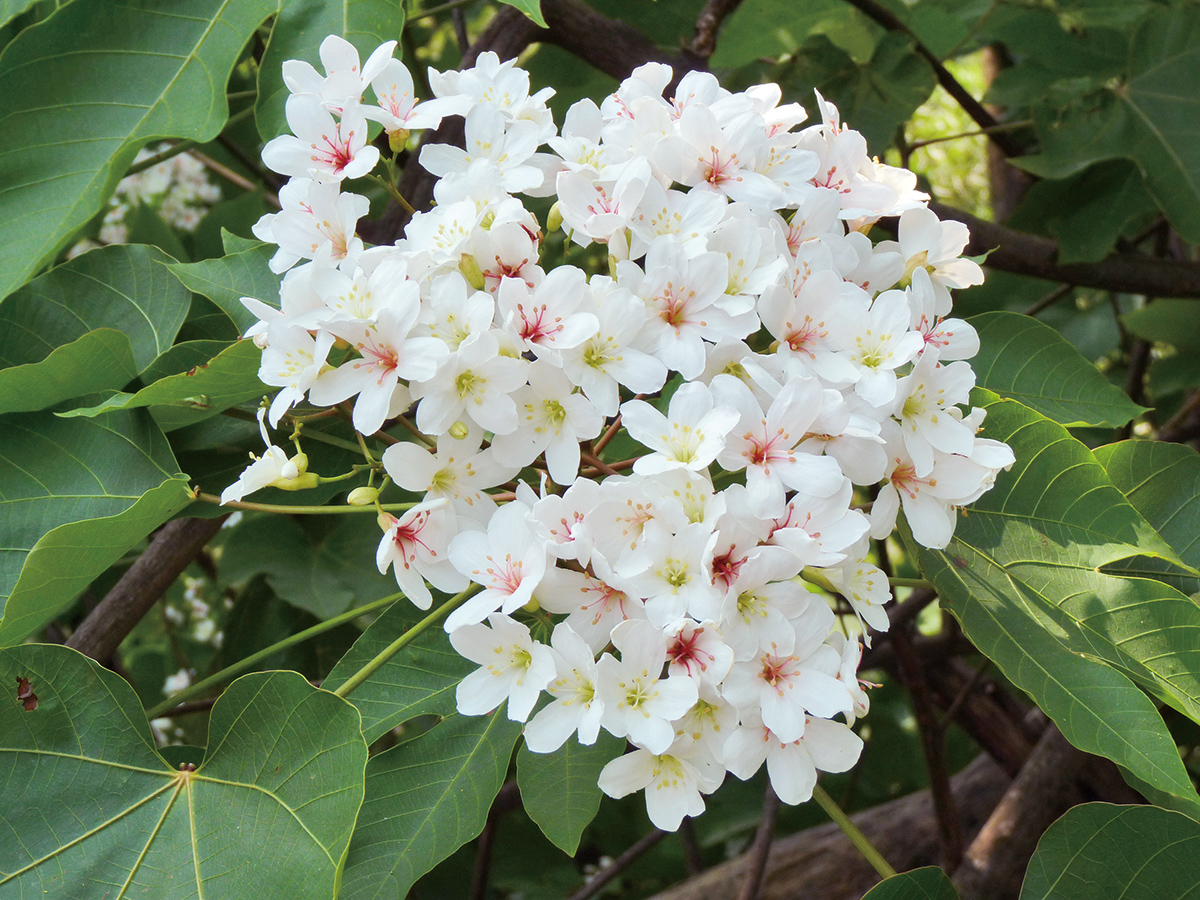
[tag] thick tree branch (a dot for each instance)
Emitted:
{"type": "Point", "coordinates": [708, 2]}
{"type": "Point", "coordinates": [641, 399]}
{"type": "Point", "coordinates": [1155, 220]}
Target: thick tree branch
{"type": "Point", "coordinates": [1027, 254]}
{"type": "Point", "coordinates": [972, 107]}
{"type": "Point", "coordinates": [821, 864]}
{"type": "Point", "coordinates": [715, 12]}
{"type": "Point", "coordinates": [174, 546]}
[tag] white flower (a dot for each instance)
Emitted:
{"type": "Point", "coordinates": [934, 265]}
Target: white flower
{"type": "Point", "coordinates": [792, 765]}
{"type": "Point", "coordinates": [513, 667]}
{"type": "Point", "coordinates": [509, 561]}
{"type": "Point", "coordinates": [576, 708]}
{"type": "Point", "coordinates": [689, 437]}
{"type": "Point", "coordinates": [414, 545]}
{"type": "Point", "coordinates": [322, 149]}
{"type": "Point", "coordinates": [673, 780]}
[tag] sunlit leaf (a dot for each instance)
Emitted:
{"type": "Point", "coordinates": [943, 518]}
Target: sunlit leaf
{"type": "Point", "coordinates": [226, 279]}
{"type": "Point", "coordinates": [531, 8]}
{"type": "Point", "coordinates": [90, 806]}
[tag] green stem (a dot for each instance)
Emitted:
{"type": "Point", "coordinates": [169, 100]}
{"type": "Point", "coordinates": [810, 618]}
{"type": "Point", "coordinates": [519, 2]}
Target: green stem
{"type": "Point", "coordinates": [910, 582]}
{"type": "Point", "coordinates": [301, 510]}
{"type": "Point", "coordinates": [242, 665]}
{"type": "Point", "coordinates": [181, 147]}
{"type": "Point", "coordinates": [857, 838]}
{"type": "Point", "coordinates": [396, 195]}
{"type": "Point", "coordinates": [440, 8]}
{"type": "Point", "coordinates": [356, 680]}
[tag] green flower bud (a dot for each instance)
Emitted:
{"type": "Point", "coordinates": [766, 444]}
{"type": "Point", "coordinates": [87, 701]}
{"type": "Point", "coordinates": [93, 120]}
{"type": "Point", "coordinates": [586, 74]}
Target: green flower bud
{"type": "Point", "coordinates": [554, 218]}
{"type": "Point", "coordinates": [398, 139]}
{"type": "Point", "coordinates": [363, 496]}
{"type": "Point", "coordinates": [302, 483]}
{"type": "Point", "coordinates": [471, 271]}
{"type": "Point", "coordinates": [459, 430]}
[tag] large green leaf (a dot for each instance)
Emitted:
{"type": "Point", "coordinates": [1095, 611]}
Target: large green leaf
{"type": "Point", "coordinates": [1162, 481]}
{"type": "Point", "coordinates": [46, 341]}
{"type": "Point", "coordinates": [10, 9]}
{"type": "Point", "coordinates": [229, 378]}
{"type": "Point", "coordinates": [419, 680]}
{"type": "Point", "coordinates": [298, 32]}
{"type": "Point", "coordinates": [324, 564]}
{"type": "Point", "coordinates": [1150, 117]}
{"type": "Point", "coordinates": [83, 91]}
{"type": "Point", "coordinates": [1098, 850]}
{"type": "Point", "coordinates": [1022, 575]}
{"type": "Point", "coordinates": [928, 883]}
{"type": "Point", "coordinates": [775, 27]}
{"type": "Point", "coordinates": [226, 279]}
{"type": "Point", "coordinates": [1023, 359]}
{"type": "Point", "coordinates": [91, 808]}
{"type": "Point", "coordinates": [425, 799]}
{"type": "Point", "coordinates": [559, 790]}
{"type": "Point", "coordinates": [75, 494]}
{"type": "Point", "coordinates": [1167, 321]}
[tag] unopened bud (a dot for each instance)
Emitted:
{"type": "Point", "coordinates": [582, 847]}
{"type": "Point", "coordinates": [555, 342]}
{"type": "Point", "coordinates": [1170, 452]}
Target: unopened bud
{"type": "Point", "coordinates": [260, 340]}
{"type": "Point", "coordinates": [554, 218]}
{"type": "Point", "coordinates": [398, 139]}
{"type": "Point", "coordinates": [363, 496]}
{"type": "Point", "coordinates": [459, 430]}
{"type": "Point", "coordinates": [488, 218]}
{"type": "Point", "coordinates": [532, 606]}
{"type": "Point", "coordinates": [300, 461]}
{"type": "Point", "coordinates": [471, 271]}
{"type": "Point", "coordinates": [385, 521]}
{"type": "Point", "coordinates": [301, 483]}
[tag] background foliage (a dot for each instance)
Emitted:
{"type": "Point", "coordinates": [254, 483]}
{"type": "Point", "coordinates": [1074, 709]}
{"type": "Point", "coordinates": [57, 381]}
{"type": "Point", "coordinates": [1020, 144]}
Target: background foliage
{"type": "Point", "coordinates": [271, 762]}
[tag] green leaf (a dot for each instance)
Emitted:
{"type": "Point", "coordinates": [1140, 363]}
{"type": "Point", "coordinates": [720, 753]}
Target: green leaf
{"type": "Point", "coordinates": [98, 361]}
{"type": "Point", "coordinates": [425, 799]}
{"type": "Point", "coordinates": [229, 378]}
{"type": "Point", "coordinates": [227, 279]}
{"type": "Point", "coordinates": [928, 883]}
{"type": "Point", "coordinates": [1162, 481]}
{"type": "Point", "coordinates": [299, 30]}
{"type": "Point", "coordinates": [559, 790]}
{"type": "Point", "coordinates": [125, 288]}
{"type": "Point", "coordinates": [324, 564]}
{"type": "Point", "coordinates": [1168, 322]}
{"type": "Point", "coordinates": [75, 494]}
{"type": "Point", "coordinates": [83, 91]}
{"type": "Point", "coordinates": [531, 8]}
{"type": "Point", "coordinates": [1086, 213]}
{"type": "Point", "coordinates": [1099, 850]}
{"type": "Point", "coordinates": [1150, 118]}
{"type": "Point", "coordinates": [420, 680]}
{"type": "Point", "coordinates": [90, 803]}
{"type": "Point", "coordinates": [1021, 575]}
{"type": "Point", "coordinates": [1023, 359]}
{"type": "Point", "coordinates": [10, 9]}
{"type": "Point", "coordinates": [775, 27]}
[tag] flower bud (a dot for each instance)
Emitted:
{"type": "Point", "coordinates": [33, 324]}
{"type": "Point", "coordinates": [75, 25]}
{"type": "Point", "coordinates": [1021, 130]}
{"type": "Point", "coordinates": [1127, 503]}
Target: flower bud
{"type": "Point", "coordinates": [554, 218]}
{"type": "Point", "coordinates": [398, 139]}
{"type": "Point", "coordinates": [459, 430]}
{"type": "Point", "coordinates": [363, 496]}
{"type": "Point", "coordinates": [301, 483]}
{"type": "Point", "coordinates": [385, 521]}
{"type": "Point", "coordinates": [471, 271]}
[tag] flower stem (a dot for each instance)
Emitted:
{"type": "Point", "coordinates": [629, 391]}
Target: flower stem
{"type": "Point", "coordinates": [856, 837]}
{"type": "Point", "coordinates": [396, 195]}
{"type": "Point", "coordinates": [356, 680]}
{"type": "Point", "coordinates": [300, 510]}
{"type": "Point", "coordinates": [242, 665]}
{"type": "Point", "coordinates": [909, 582]}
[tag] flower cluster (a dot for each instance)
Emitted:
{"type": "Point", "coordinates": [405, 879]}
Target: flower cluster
{"type": "Point", "coordinates": [750, 348]}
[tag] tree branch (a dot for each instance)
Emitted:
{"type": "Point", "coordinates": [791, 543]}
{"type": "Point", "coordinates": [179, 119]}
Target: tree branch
{"type": "Point", "coordinates": [704, 44]}
{"type": "Point", "coordinates": [172, 548]}
{"type": "Point", "coordinates": [761, 848]}
{"type": "Point", "coordinates": [1027, 254]}
{"type": "Point", "coordinates": [973, 108]}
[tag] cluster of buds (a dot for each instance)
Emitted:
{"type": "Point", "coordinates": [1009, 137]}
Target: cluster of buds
{"type": "Point", "coordinates": [752, 351]}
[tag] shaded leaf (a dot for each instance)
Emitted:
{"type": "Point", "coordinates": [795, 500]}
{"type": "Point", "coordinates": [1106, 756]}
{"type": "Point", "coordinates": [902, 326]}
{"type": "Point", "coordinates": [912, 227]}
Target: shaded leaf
{"type": "Point", "coordinates": [1023, 359]}
{"type": "Point", "coordinates": [98, 361]}
{"type": "Point", "coordinates": [775, 27]}
{"type": "Point", "coordinates": [419, 680]}
{"type": "Point", "coordinates": [229, 378]}
{"type": "Point", "coordinates": [75, 494]}
{"type": "Point", "coordinates": [1166, 321]}
{"type": "Point", "coordinates": [89, 802]}
{"type": "Point", "coordinates": [559, 790]}
{"type": "Point", "coordinates": [323, 565]}
{"type": "Point", "coordinates": [83, 91]}
{"type": "Point", "coordinates": [298, 32]}
{"type": "Point", "coordinates": [1021, 575]}
{"type": "Point", "coordinates": [1151, 117]}
{"type": "Point", "coordinates": [123, 287]}
{"type": "Point", "coordinates": [10, 9]}
{"type": "Point", "coordinates": [227, 279]}
{"type": "Point", "coordinates": [928, 883]}
{"type": "Point", "coordinates": [425, 799]}
{"type": "Point", "coordinates": [1101, 850]}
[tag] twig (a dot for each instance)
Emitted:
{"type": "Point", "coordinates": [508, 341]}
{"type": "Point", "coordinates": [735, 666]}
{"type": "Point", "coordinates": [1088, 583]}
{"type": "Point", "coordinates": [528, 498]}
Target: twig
{"type": "Point", "coordinates": [169, 553]}
{"type": "Point", "coordinates": [962, 96]}
{"type": "Point", "coordinates": [248, 162]}
{"type": "Point", "coordinates": [609, 434]}
{"type": "Point", "coordinates": [982, 132]}
{"type": "Point", "coordinates": [761, 848]}
{"type": "Point", "coordinates": [437, 10]}
{"type": "Point", "coordinates": [1050, 299]}
{"type": "Point", "coordinates": [618, 865]}
{"type": "Point", "coordinates": [231, 176]}
{"type": "Point", "coordinates": [460, 30]}
{"type": "Point", "coordinates": [704, 44]}
{"type": "Point", "coordinates": [483, 849]}
{"type": "Point", "coordinates": [933, 747]}
{"type": "Point", "coordinates": [692, 860]}
{"type": "Point", "coordinates": [952, 710]}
